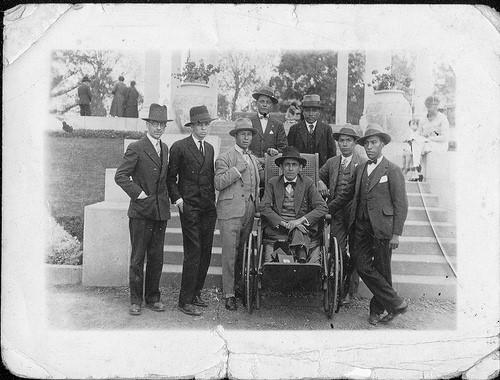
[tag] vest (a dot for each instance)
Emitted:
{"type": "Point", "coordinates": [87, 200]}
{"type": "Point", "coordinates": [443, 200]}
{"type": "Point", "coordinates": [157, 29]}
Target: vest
{"type": "Point", "coordinates": [342, 178]}
{"type": "Point", "coordinates": [288, 209]}
{"type": "Point", "coordinates": [249, 181]}
{"type": "Point", "coordinates": [362, 212]}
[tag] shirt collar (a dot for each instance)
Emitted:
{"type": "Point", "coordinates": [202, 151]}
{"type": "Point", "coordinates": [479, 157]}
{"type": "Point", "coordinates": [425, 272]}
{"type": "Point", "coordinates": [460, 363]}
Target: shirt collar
{"type": "Point", "coordinates": [239, 150]}
{"type": "Point", "coordinates": [152, 139]}
{"type": "Point", "coordinates": [379, 160]}
{"type": "Point", "coordinates": [196, 141]}
{"type": "Point", "coordinates": [308, 124]}
{"type": "Point", "coordinates": [293, 180]}
{"type": "Point", "coordinates": [346, 159]}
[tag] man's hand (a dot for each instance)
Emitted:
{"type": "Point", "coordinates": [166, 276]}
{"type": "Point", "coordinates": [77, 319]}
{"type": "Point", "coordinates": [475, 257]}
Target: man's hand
{"type": "Point", "coordinates": [394, 242]}
{"type": "Point", "coordinates": [142, 195]}
{"type": "Point", "coordinates": [241, 166]}
{"type": "Point", "coordinates": [323, 190]}
{"type": "Point", "coordinates": [291, 224]}
{"type": "Point", "coordinates": [272, 151]}
{"type": "Point", "coordinates": [180, 205]}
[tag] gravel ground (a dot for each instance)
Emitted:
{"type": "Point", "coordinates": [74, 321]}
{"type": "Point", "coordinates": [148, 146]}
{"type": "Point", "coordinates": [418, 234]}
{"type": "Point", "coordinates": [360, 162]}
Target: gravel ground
{"type": "Point", "coordinates": [81, 308]}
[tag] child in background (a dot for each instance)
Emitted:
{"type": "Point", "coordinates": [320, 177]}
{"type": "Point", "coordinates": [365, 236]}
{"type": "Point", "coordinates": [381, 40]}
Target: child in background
{"type": "Point", "coordinates": [412, 153]}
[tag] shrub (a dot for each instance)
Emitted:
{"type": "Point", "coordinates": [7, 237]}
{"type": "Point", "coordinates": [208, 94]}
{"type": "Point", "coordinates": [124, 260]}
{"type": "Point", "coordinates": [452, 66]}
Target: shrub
{"type": "Point", "coordinates": [98, 133]}
{"type": "Point", "coordinates": [62, 248]}
{"type": "Point", "coordinates": [73, 225]}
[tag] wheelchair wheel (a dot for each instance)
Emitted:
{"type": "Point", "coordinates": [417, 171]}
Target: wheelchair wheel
{"type": "Point", "coordinates": [243, 275]}
{"type": "Point", "coordinates": [249, 275]}
{"type": "Point", "coordinates": [256, 273]}
{"type": "Point", "coordinates": [334, 281]}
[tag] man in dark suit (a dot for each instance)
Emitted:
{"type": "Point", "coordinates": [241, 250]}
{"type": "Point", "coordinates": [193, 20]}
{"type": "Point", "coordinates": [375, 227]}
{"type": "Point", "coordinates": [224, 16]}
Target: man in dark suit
{"type": "Point", "coordinates": [271, 136]}
{"type": "Point", "coordinates": [142, 174]}
{"type": "Point", "coordinates": [191, 186]}
{"type": "Point", "coordinates": [336, 173]}
{"type": "Point", "coordinates": [84, 97]}
{"type": "Point", "coordinates": [311, 135]}
{"type": "Point", "coordinates": [131, 101]}
{"type": "Point", "coordinates": [292, 207]}
{"type": "Point", "coordinates": [379, 210]}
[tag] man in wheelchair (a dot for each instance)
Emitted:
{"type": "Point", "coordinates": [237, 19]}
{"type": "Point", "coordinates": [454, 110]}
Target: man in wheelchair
{"type": "Point", "coordinates": [291, 209]}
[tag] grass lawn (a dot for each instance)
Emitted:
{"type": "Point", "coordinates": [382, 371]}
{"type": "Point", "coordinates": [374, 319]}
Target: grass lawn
{"type": "Point", "coordinates": [75, 169]}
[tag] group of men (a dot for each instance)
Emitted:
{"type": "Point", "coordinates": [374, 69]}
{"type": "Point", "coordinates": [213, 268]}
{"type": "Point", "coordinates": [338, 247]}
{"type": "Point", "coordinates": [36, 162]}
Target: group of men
{"type": "Point", "coordinates": [367, 201]}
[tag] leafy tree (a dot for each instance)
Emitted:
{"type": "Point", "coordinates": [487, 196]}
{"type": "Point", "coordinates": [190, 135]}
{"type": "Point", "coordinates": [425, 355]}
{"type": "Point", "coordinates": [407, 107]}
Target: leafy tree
{"type": "Point", "coordinates": [445, 83]}
{"type": "Point", "coordinates": [403, 67]}
{"type": "Point", "coordinates": [223, 105]}
{"type": "Point", "coordinates": [355, 87]}
{"type": "Point", "coordinates": [309, 72]}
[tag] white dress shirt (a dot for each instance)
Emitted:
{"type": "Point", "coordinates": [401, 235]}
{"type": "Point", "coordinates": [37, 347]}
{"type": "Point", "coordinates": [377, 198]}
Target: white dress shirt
{"type": "Point", "coordinates": [371, 167]}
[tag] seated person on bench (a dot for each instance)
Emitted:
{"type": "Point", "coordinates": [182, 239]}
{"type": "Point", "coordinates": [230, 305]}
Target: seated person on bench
{"type": "Point", "coordinates": [291, 208]}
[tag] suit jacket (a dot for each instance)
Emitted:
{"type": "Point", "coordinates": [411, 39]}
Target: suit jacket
{"type": "Point", "coordinates": [149, 174]}
{"type": "Point", "coordinates": [230, 185]}
{"type": "Point", "coordinates": [387, 201]}
{"type": "Point", "coordinates": [118, 103]}
{"type": "Point", "coordinates": [324, 142]}
{"type": "Point", "coordinates": [273, 137]}
{"type": "Point", "coordinates": [84, 95]}
{"type": "Point", "coordinates": [190, 175]}
{"type": "Point", "coordinates": [307, 202]}
{"type": "Point", "coordinates": [131, 98]}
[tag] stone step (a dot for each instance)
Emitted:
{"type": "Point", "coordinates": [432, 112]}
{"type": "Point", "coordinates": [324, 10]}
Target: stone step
{"type": "Point", "coordinates": [408, 286]}
{"type": "Point", "coordinates": [415, 199]}
{"type": "Point", "coordinates": [423, 265]}
{"type": "Point", "coordinates": [413, 187]}
{"type": "Point", "coordinates": [421, 245]}
{"type": "Point", "coordinates": [419, 213]}
{"type": "Point", "coordinates": [423, 228]}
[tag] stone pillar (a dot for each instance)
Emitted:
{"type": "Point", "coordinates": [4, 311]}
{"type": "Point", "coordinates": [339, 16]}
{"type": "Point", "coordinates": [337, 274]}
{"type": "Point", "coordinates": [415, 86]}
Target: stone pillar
{"type": "Point", "coordinates": [151, 81]}
{"type": "Point", "coordinates": [424, 82]}
{"type": "Point", "coordinates": [342, 78]}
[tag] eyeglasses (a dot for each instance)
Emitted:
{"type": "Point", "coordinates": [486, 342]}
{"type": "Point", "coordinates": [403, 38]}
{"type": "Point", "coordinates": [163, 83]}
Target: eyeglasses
{"type": "Point", "coordinates": [156, 124]}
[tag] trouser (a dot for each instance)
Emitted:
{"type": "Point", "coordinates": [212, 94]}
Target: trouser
{"type": "Point", "coordinates": [234, 234]}
{"type": "Point", "coordinates": [295, 238]}
{"type": "Point", "coordinates": [147, 238]}
{"type": "Point", "coordinates": [198, 227]}
{"type": "Point", "coordinates": [85, 110]}
{"type": "Point", "coordinates": [373, 263]}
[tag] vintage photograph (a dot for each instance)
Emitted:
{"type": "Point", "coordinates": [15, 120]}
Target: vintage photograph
{"type": "Point", "coordinates": [250, 191]}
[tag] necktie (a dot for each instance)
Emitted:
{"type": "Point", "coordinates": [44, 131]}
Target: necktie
{"type": "Point", "coordinates": [263, 116]}
{"type": "Point", "coordinates": [158, 147]}
{"type": "Point", "coordinates": [311, 128]}
{"type": "Point", "coordinates": [344, 164]}
{"type": "Point", "coordinates": [290, 183]}
{"type": "Point", "coordinates": [289, 189]}
{"type": "Point", "coordinates": [201, 148]}
{"type": "Point", "coordinates": [372, 161]}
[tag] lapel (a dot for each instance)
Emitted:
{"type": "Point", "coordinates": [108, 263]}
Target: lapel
{"type": "Point", "coordinates": [319, 133]}
{"type": "Point", "coordinates": [335, 170]}
{"type": "Point", "coordinates": [164, 153]}
{"type": "Point", "coordinates": [194, 150]}
{"type": "Point", "coordinates": [257, 125]}
{"type": "Point", "coordinates": [150, 151]}
{"type": "Point", "coordinates": [298, 194]}
{"type": "Point", "coordinates": [303, 132]}
{"type": "Point", "coordinates": [359, 177]}
{"type": "Point", "coordinates": [256, 171]}
{"type": "Point", "coordinates": [379, 171]}
{"type": "Point", "coordinates": [280, 193]}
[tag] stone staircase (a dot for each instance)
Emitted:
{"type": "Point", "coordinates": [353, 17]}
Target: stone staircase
{"type": "Point", "coordinates": [418, 266]}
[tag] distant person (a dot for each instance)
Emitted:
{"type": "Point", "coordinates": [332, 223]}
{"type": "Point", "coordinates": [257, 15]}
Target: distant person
{"type": "Point", "coordinates": [270, 137]}
{"type": "Point", "coordinates": [435, 127]}
{"type": "Point", "coordinates": [311, 135]}
{"type": "Point", "coordinates": [84, 97]}
{"type": "Point", "coordinates": [142, 174]}
{"type": "Point", "coordinates": [293, 112]}
{"type": "Point", "coordinates": [413, 151]}
{"type": "Point", "coordinates": [119, 93]}
{"type": "Point", "coordinates": [131, 101]}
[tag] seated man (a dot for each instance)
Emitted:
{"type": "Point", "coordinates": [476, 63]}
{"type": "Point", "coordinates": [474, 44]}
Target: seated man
{"type": "Point", "coordinates": [291, 208]}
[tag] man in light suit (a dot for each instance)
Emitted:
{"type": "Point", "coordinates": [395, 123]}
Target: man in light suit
{"type": "Point", "coordinates": [191, 186]}
{"type": "Point", "coordinates": [379, 210]}
{"type": "Point", "coordinates": [237, 177]}
{"type": "Point", "coordinates": [337, 172]}
{"type": "Point", "coordinates": [142, 174]}
{"type": "Point", "coordinates": [291, 209]}
{"type": "Point", "coordinates": [311, 135]}
{"type": "Point", "coordinates": [271, 136]}
{"type": "Point", "coordinates": [84, 97]}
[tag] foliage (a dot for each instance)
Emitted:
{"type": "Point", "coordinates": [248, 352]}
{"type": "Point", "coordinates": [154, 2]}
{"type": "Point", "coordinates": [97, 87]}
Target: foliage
{"type": "Point", "coordinates": [403, 66]}
{"type": "Point", "coordinates": [223, 111]}
{"type": "Point", "coordinates": [98, 133]}
{"type": "Point", "coordinates": [196, 74]}
{"type": "Point", "coordinates": [388, 81]}
{"type": "Point", "coordinates": [73, 225]}
{"type": "Point", "coordinates": [62, 248]}
{"type": "Point", "coordinates": [445, 83]}
{"type": "Point", "coordinates": [310, 72]}
{"type": "Point", "coordinates": [355, 87]}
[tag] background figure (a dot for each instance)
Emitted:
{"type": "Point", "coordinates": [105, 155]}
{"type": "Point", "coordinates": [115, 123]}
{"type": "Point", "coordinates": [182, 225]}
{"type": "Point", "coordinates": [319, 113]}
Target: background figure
{"type": "Point", "coordinates": [311, 135]}
{"type": "Point", "coordinates": [435, 127]}
{"type": "Point", "coordinates": [191, 186]}
{"type": "Point", "coordinates": [119, 92]}
{"type": "Point", "coordinates": [293, 112]}
{"type": "Point", "coordinates": [142, 174]}
{"type": "Point", "coordinates": [412, 152]}
{"type": "Point", "coordinates": [84, 97]}
{"type": "Point", "coordinates": [131, 101]}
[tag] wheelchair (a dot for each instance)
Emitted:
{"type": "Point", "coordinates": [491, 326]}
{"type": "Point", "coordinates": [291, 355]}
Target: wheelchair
{"type": "Point", "coordinates": [326, 276]}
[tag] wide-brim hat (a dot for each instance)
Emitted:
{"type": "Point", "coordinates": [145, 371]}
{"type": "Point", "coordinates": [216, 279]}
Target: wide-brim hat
{"type": "Point", "coordinates": [157, 113]}
{"type": "Point", "coordinates": [198, 114]}
{"type": "Point", "coordinates": [374, 130]}
{"type": "Point", "coordinates": [85, 79]}
{"type": "Point", "coordinates": [267, 91]}
{"type": "Point", "coordinates": [290, 152]}
{"type": "Point", "coordinates": [346, 130]}
{"type": "Point", "coordinates": [311, 101]}
{"type": "Point", "coordinates": [242, 124]}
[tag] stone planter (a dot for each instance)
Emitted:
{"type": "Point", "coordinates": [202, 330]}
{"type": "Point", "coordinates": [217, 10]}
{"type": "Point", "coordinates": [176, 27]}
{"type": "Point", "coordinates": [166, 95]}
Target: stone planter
{"type": "Point", "coordinates": [391, 110]}
{"type": "Point", "coordinates": [189, 95]}
{"type": "Point", "coordinates": [63, 274]}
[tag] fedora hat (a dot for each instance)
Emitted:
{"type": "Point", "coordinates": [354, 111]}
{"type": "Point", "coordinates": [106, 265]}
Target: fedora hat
{"type": "Point", "coordinates": [242, 124]}
{"type": "Point", "coordinates": [347, 130]}
{"type": "Point", "coordinates": [198, 114]}
{"type": "Point", "coordinates": [85, 79]}
{"type": "Point", "coordinates": [290, 152]}
{"type": "Point", "coordinates": [311, 101]}
{"type": "Point", "coordinates": [267, 91]}
{"type": "Point", "coordinates": [157, 113]}
{"type": "Point", "coordinates": [374, 130]}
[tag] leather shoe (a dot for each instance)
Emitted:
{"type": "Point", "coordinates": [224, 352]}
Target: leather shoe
{"type": "Point", "coordinates": [401, 309]}
{"type": "Point", "coordinates": [347, 300]}
{"type": "Point", "coordinates": [239, 294]}
{"type": "Point", "coordinates": [374, 318]}
{"type": "Point", "coordinates": [198, 301]}
{"type": "Point", "coordinates": [134, 309]}
{"type": "Point", "coordinates": [156, 306]}
{"type": "Point", "coordinates": [231, 303]}
{"type": "Point", "coordinates": [189, 310]}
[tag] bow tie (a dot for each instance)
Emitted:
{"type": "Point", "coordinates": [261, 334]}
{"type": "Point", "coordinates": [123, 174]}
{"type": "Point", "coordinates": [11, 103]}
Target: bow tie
{"type": "Point", "coordinates": [290, 183]}
{"type": "Point", "coordinates": [263, 116]}
{"type": "Point", "coordinates": [372, 161]}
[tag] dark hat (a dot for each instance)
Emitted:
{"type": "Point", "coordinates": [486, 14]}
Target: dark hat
{"type": "Point", "coordinates": [242, 124]}
{"type": "Point", "coordinates": [311, 101]}
{"type": "Point", "coordinates": [85, 79]}
{"type": "Point", "coordinates": [347, 130]}
{"type": "Point", "coordinates": [267, 91]}
{"type": "Point", "coordinates": [157, 113]}
{"type": "Point", "coordinates": [374, 130]}
{"type": "Point", "coordinates": [198, 114]}
{"type": "Point", "coordinates": [290, 152]}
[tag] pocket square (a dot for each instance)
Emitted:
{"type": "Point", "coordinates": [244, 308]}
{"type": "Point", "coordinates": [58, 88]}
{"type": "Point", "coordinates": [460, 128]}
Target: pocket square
{"type": "Point", "coordinates": [271, 132]}
{"type": "Point", "coordinates": [383, 179]}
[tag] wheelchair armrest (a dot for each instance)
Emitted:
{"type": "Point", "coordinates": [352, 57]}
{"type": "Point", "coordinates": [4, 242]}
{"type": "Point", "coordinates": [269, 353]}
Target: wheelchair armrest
{"type": "Point", "coordinates": [257, 215]}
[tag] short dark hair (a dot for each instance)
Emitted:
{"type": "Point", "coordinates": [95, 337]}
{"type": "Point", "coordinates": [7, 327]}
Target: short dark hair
{"type": "Point", "coordinates": [121, 78]}
{"type": "Point", "coordinates": [132, 83]}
